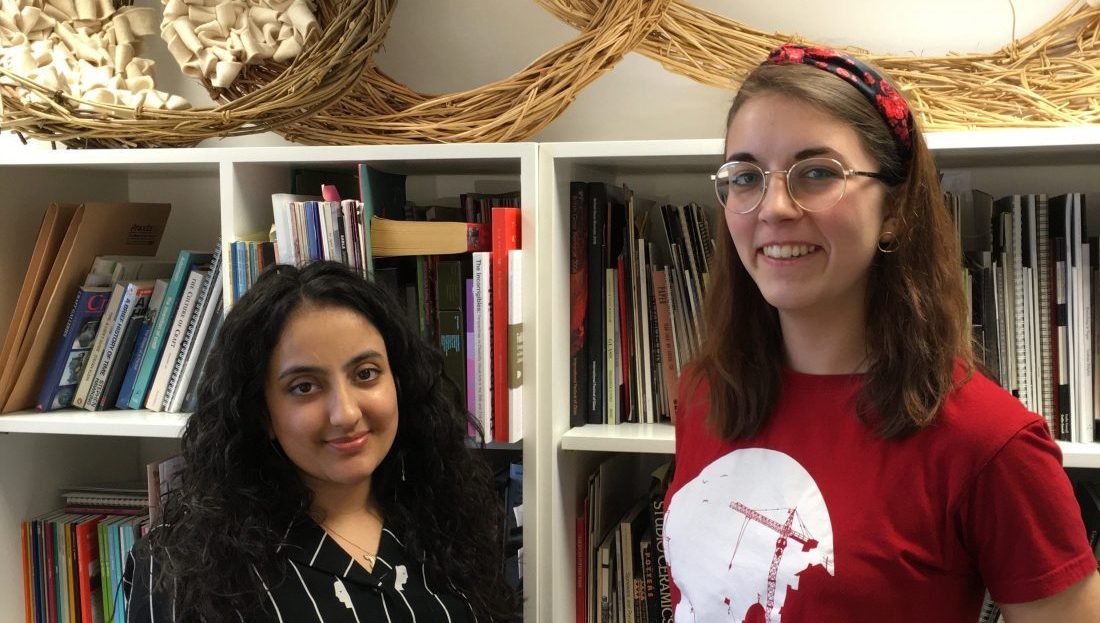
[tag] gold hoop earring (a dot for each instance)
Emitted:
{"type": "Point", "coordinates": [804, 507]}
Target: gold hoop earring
{"type": "Point", "coordinates": [891, 242]}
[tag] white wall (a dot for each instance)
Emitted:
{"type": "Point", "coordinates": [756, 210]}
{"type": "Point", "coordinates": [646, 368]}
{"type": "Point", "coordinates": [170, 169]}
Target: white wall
{"type": "Point", "coordinates": [438, 46]}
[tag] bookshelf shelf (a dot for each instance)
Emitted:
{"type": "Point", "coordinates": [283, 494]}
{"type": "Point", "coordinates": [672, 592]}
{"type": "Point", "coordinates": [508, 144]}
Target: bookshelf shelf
{"type": "Point", "coordinates": [626, 437]}
{"type": "Point", "coordinates": [661, 439]}
{"type": "Point", "coordinates": [148, 424]}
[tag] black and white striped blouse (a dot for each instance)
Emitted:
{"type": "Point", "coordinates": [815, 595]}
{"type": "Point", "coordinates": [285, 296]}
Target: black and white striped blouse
{"type": "Point", "coordinates": [323, 583]}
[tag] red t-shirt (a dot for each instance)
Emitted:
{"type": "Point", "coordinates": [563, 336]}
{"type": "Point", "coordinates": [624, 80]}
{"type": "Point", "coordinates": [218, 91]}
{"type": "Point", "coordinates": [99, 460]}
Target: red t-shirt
{"type": "Point", "coordinates": [856, 528]}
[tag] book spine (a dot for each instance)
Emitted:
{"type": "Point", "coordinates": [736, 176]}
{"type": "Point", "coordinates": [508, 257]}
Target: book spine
{"type": "Point", "coordinates": [150, 359]}
{"type": "Point", "coordinates": [134, 302]}
{"type": "Point", "coordinates": [596, 322]}
{"type": "Point", "coordinates": [665, 333]}
{"type": "Point", "coordinates": [515, 344]}
{"type": "Point", "coordinates": [91, 363]}
{"type": "Point", "coordinates": [68, 363]}
{"type": "Point", "coordinates": [505, 238]}
{"type": "Point", "coordinates": [190, 397]}
{"type": "Point", "coordinates": [610, 349]}
{"type": "Point", "coordinates": [660, 564]}
{"type": "Point", "coordinates": [482, 278]}
{"type": "Point", "coordinates": [578, 303]}
{"type": "Point", "coordinates": [117, 372]}
{"type": "Point", "coordinates": [189, 362]}
{"type": "Point", "coordinates": [471, 358]}
{"type": "Point", "coordinates": [155, 397]}
{"type": "Point", "coordinates": [366, 212]}
{"type": "Point", "coordinates": [140, 344]}
{"type": "Point", "coordinates": [211, 283]}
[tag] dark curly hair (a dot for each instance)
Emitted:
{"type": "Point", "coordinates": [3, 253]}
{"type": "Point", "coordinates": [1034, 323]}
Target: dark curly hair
{"type": "Point", "coordinates": [239, 492]}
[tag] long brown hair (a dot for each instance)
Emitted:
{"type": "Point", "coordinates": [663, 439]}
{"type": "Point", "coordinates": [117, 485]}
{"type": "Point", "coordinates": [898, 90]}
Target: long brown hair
{"type": "Point", "coordinates": [917, 325]}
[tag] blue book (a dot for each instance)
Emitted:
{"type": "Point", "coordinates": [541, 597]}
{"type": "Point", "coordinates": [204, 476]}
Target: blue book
{"type": "Point", "coordinates": [155, 345]}
{"type": "Point", "coordinates": [72, 348]}
{"type": "Point", "coordinates": [123, 401]}
{"type": "Point", "coordinates": [313, 230]}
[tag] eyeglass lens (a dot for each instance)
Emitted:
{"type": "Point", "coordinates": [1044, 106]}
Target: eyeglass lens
{"type": "Point", "coordinates": [814, 184]}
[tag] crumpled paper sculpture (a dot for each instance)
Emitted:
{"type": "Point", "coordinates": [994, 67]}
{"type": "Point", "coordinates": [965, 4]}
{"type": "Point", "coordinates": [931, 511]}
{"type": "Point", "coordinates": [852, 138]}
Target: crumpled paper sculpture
{"type": "Point", "coordinates": [214, 39]}
{"type": "Point", "coordinates": [85, 48]}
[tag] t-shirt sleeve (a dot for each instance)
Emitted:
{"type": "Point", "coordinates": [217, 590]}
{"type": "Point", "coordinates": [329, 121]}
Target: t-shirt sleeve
{"type": "Point", "coordinates": [1022, 523]}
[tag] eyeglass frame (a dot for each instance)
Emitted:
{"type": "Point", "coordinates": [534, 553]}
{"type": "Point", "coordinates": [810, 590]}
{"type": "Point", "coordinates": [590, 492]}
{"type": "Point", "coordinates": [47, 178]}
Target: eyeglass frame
{"type": "Point", "coordinates": [878, 175]}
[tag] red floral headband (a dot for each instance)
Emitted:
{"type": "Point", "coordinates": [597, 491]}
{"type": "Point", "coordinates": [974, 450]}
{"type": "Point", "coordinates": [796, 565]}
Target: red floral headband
{"type": "Point", "coordinates": [874, 87]}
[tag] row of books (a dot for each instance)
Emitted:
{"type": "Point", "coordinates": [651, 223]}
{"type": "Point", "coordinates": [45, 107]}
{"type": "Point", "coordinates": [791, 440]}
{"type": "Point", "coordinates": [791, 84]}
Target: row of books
{"type": "Point", "coordinates": [69, 240]}
{"type": "Point", "coordinates": [74, 557]}
{"type": "Point", "coordinates": [458, 280]}
{"type": "Point", "coordinates": [139, 340]}
{"type": "Point", "coordinates": [638, 276]}
{"type": "Point", "coordinates": [1033, 277]}
{"type": "Point", "coordinates": [621, 572]}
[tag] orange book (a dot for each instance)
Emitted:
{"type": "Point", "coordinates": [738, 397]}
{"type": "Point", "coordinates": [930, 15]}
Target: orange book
{"type": "Point", "coordinates": [505, 224]}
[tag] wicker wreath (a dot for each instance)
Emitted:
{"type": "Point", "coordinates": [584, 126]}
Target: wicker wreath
{"type": "Point", "coordinates": [264, 97]}
{"type": "Point", "coordinates": [1047, 78]}
{"type": "Point", "coordinates": [381, 110]}
{"type": "Point", "coordinates": [334, 94]}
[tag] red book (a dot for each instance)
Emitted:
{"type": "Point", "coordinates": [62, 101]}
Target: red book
{"type": "Point", "coordinates": [505, 238]}
{"type": "Point", "coordinates": [87, 553]}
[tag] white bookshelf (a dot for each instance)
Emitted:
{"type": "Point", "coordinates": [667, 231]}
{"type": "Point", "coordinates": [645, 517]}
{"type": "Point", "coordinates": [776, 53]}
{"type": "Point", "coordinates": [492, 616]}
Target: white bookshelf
{"type": "Point", "coordinates": [1051, 161]}
{"type": "Point", "coordinates": [226, 191]}
{"type": "Point", "coordinates": [213, 191]}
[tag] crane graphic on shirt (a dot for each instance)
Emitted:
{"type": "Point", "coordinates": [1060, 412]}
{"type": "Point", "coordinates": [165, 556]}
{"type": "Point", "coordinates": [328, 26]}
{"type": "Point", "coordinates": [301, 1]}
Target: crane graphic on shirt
{"type": "Point", "coordinates": [741, 535]}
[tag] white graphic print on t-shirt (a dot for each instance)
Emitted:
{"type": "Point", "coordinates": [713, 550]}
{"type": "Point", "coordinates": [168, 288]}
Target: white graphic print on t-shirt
{"type": "Point", "coordinates": [741, 533]}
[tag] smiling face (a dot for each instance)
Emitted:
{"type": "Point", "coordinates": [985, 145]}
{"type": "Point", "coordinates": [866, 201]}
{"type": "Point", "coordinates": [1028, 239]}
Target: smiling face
{"type": "Point", "coordinates": [811, 265]}
{"type": "Point", "coordinates": [332, 398]}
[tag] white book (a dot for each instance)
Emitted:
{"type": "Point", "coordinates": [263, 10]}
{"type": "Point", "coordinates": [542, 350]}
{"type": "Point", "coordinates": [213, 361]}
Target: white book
{"type": "Point", "coordinates": [186, 306]}
{"type": "Point", "coordinates": [515, 345]}
{"type": "Point", "coordinates": [483, 357]}
{"type": "Point", "coordinates": [192, 363]}
{"type": "Point", "coordinates": [91, 362]}
{"type": "Point", "coordinates": [286, 241]}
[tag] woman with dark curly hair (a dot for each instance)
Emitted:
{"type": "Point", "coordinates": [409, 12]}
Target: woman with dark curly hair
{"type": "Point", "coordinates": [328, 476]}
{"type": "Point", "coordinates": [839, 458]}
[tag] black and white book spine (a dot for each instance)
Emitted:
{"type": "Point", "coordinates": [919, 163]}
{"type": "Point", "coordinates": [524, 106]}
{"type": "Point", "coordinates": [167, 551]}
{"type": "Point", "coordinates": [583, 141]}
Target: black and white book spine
{"type": "Point", "coordinates": [91, 363]}
{"type": "Point", "coordinates": [211, 281]}
{"type": "Point", "coordinates": [155, 399]}
{"type": "Point", "coordinates": [483, 357]}
{"type": "Point", "coordinates": [1046, 320]}
{"type": "Point", "coordinates": [177, 391]}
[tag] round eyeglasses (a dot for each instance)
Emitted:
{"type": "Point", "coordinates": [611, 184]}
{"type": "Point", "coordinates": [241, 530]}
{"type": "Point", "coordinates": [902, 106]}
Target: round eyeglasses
{"type": "Point", "coordinates": [815, 184]}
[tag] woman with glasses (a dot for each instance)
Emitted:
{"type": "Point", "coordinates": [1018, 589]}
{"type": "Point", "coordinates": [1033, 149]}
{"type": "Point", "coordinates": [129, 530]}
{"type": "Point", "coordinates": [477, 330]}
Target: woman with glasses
{"type": "Point", "coordinates": [838, 456]}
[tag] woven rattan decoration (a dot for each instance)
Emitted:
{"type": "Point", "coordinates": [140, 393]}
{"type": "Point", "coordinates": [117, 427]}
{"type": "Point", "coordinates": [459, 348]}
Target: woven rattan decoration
{"type": "Point", "coordinates": [334, 93]}
{"type": "Point", "coordinates": [264, 97]}
{"type": "Point", "coordinates": [1050, 77]}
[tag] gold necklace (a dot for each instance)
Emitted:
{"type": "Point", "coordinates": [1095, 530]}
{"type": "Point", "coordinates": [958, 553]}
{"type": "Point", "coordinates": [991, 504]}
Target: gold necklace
{"type": "Point", "coordinates": [367, 556]}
